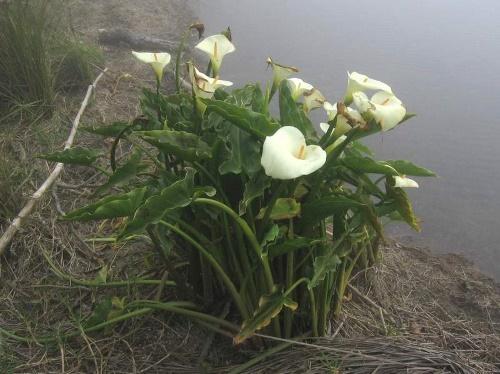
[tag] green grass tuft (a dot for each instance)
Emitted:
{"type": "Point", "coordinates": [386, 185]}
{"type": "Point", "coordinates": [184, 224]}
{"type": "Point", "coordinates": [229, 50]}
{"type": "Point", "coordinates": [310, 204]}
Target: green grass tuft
{"type": "Point", "coordinates": [39, 56]}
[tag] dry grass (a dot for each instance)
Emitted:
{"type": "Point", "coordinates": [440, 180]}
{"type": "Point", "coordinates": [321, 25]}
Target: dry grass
{"type": "Point", "coordinates": [419, 313]}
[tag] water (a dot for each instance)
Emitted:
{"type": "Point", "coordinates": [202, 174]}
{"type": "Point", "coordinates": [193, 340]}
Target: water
{"type": "Point", "coordinates": [441, 57]}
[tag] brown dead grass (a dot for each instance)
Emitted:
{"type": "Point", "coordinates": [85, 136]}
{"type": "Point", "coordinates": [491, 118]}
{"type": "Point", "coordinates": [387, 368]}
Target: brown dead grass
{"type": "Point", "coordinates": [416, 307]}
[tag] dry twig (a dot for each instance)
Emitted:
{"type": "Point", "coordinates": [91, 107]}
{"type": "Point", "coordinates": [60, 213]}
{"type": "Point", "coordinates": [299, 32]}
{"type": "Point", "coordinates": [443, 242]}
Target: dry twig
{"type": "Point", "coordinates": [16, 225]}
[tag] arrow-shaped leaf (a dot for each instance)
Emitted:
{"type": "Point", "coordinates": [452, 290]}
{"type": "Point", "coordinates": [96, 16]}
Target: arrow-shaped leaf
{"type": "Point", "coordinates": [123, 205]}
{"type": "Point", "coordinates": [185, 145]}
{"type": "Point", "coordinates": [269, 307]}
{"type": "Point", "coordinates": [408, 168]}
{"type": "Point", "coordinates": [178, 194]}
{"type": "Point", "coordinates": [252, 122]}
{"type": "Point", "coordinates": [284, 208]}
{"type": "Point", "coordinates": [74, 156]}
{"type": "Point", "coordinates": [325, 207]}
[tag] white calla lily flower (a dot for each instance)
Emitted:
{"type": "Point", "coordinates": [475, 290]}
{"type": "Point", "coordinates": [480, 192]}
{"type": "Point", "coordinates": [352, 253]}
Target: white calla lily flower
{"type": "Point", "coordinates": [342, 126]}
{"type": "Point", "coordinates": [298, 87]}
{"type": "Point", "coordinates": [280, 72]}
{"type": "Point", "coordinates": [404, 182]}
{"type": "Point", "coordinates": [389, 110]}
{"type": "Point", "coordinates": [386, 109]}
{"type": "Point", "coordinates": [313, 99]}
{"type": "Point", "coordinates": [360, 82]}
{"type": "Point", "coordinates": [216, 46]}
{"type": "Point", "coordinates": [158, 61]}
{"type": "Point", "coordinates": [285, 154]}
{"type": "Point", "coordinates": [203, 85]}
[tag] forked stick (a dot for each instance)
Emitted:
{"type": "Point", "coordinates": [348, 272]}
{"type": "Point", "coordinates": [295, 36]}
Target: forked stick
{"type": "Point", "coordinates": [14, 227]}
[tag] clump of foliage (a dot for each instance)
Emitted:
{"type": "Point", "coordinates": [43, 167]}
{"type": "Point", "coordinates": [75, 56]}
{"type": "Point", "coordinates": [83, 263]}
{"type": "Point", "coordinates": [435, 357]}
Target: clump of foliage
{"type": "Point", "coordinates": [38, 57]}
{"type": "Point", "coordinates": [267, 212]}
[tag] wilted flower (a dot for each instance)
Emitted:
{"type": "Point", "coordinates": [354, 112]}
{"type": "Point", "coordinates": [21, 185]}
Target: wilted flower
{"type": "Point", "coordinates": [280, 72]}
{"type": "Point", "coordinates": [404, 182]}
{"type": "Point", "coordinates": [342, 125]}
{"type": "Point", "coordinates": [360, 82]}
{"type": "Point", "coordinates": [386, 109]}
{"type": "Point", "coordinates": [158, 61]}
{"type": "Point", "coordinates": [203, 85]}
{"type": "Point", "coordinates": [216, 46]}
{"type": "Point", "coordinates": [313, 99]}
{"type": "Point", "coordinates": [286, 156]}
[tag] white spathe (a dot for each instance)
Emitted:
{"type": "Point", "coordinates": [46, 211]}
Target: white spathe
{"type": "Point", "coordinates": [158, 61]}
{"type": "Point", "coordinates": [404, 182]}
{"type": "Point", "coordinates": [342, 125]}
{"type": "Point", "coordinates": [313, 99]}
{"type": "Point", "coordinates": [285, 154]}
{"type": "Point", "coordinates": [280, 72]}
{"type": "Point", "coordinates": [298, 87]}
{"type": "Point", "coordinates": [205, 86]}
{"type": "Point", "coordinates": [216, 47]}
{"type": "Point", "coordinates": [360, 82]}
{"type": "Point", "coordinates": [387, 110]}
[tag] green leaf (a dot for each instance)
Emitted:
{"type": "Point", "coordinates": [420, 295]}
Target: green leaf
{"type": "Point", "coordinates": [284, 208]}
{"type": "Point", "coordinates": [327, 206]}
{"type": "Point", "coordinates": [110, 131]}
{"type": "Point", "coordinates": [367, 165]}
{"type": "Point", "coordinates": [269, 307]}
{"type": "Point", "coordinates": [361, 148]}
{"type": "Point", "coordinates": [270, 236]}
{"type": "Point", "coordinates": [291, 245]}
{"type": "Point", "coordinates": [254, 188]}
{"type": "Point", "coordinates": [292, 115]}
{"type": "Point", "coordinates": [185, 145]}
{"type": "Point", "coordinates": [408, 168]}
{"type": "Point", "coordinates": [252, 122]}
{"type": "Point", "coordinates": [322, 266]}
{"type": "Point", "coordinates": [110, 207]}
{"type": "Point", "coordinates": [403, 204]}
{"type": "Point", "coordinates": [244, 154]}
{"type": "Point", "coordinates": [124, 173]}
{"type": "Point", "coordinates": [178, 194]}
{"type": "Point", "coordinates": [102, 275]}
{"type": "Point", "coordinates": [100, 313]}
{"type": "Point", "coordinates": [74, 156]}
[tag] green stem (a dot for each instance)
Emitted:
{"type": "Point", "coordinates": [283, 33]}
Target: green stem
{"type": "Point", "coordinates": [270, 206]}
{"type": "Point", "coordinates": [289, 280]}
{"type": "Point", "coordinates": [247, 365]}
{"type": "Point", "coordinates": [248, 233]}
{"type": "Point", "coordinates": [314, 312]}
{"type": "Point", "coordinates": [186, 312]}
{"type": "Point", "coordinates": [295, 285]}
{"type": "Point", "coordinates": [227, 281]}
{"type": "Point", "coordinates": [146, 151]}
{"type": "Point", "coordinates": [178, 60]}
{"type": "Point", "coordinates": [105, 172]}
{"type": "Point", "coordinates": [217, 185]}
{"type": "Point", "coordinates": [53, 339]}
{"type": "Point", "coordinates": [94, 283]}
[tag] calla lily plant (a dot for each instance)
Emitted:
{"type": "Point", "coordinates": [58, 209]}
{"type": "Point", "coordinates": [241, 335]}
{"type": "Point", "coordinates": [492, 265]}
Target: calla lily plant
{"type": "Point", "coordinates": [158, 61]}
{"type": "Point", "coordinates": [216, 47]}
{"type": "Point", "coordinates": [238, 201]}
{"type": "Point", "coordinates": [285, 154]}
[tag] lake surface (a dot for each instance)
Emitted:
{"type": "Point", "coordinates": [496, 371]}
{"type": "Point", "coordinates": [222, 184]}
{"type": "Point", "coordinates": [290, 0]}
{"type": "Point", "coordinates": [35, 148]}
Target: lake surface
{"type": "Point", "coordinates": [441, 57]}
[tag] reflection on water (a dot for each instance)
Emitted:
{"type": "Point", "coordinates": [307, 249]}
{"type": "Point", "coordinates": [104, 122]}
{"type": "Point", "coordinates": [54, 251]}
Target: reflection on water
{"type": "Point", "coordinates": [440, 57]}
